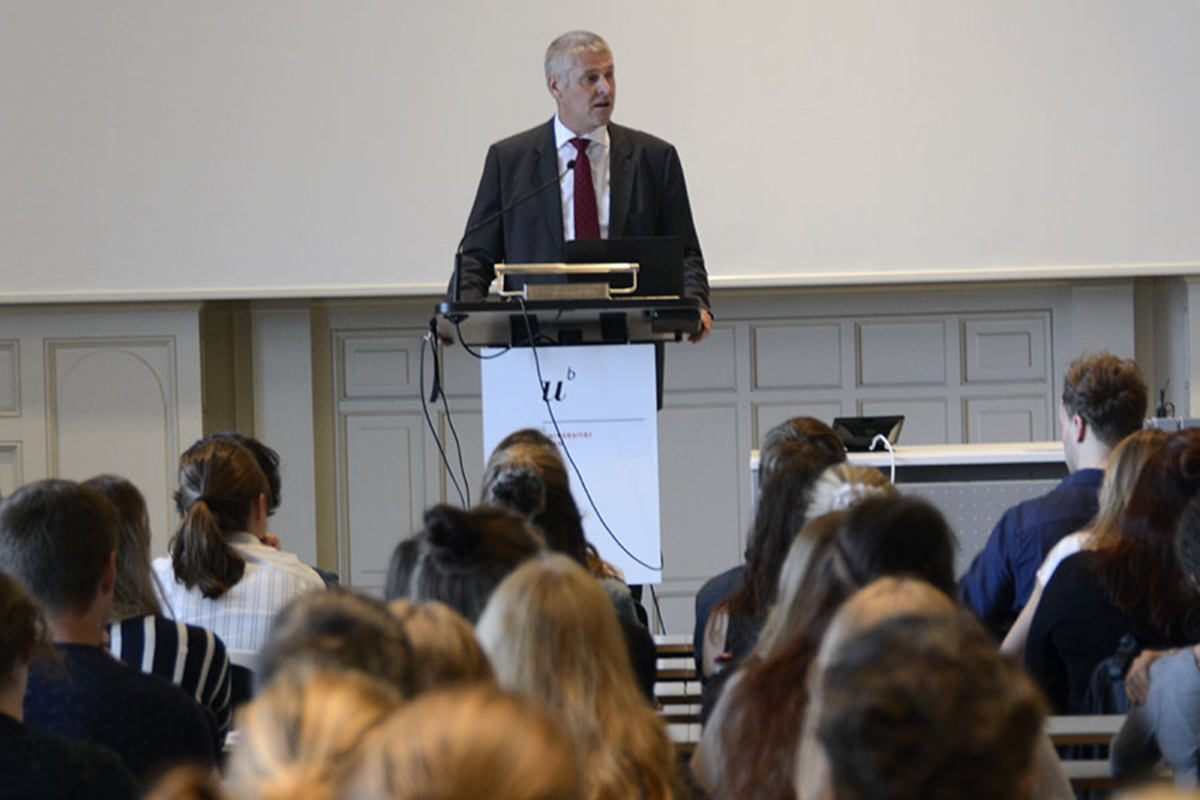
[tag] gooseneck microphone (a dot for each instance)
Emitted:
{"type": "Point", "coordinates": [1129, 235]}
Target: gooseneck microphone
{"type": "Point", "coordinates": [490, 218]}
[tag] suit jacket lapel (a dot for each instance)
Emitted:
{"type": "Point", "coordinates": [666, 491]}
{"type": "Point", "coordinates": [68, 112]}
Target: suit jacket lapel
{"type": "Point", "coordinates": [545, 169]}
{"type": "Point", "coordinates": [620, 169]}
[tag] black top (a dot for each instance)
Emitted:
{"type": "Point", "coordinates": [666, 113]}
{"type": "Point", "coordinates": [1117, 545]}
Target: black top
{"type": "Point", "coordinates": [1076, 627]}
{"type": "Point", "coordinates": [41, 766]}
{"type": "Point", "coordinates": [90, 695]}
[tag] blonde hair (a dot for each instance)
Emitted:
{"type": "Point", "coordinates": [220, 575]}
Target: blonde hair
{"type": "Point", "coordinates": [469, 743]}
{"type": "Point", "coordinates": [553, 637]}
{"type": "Point", "coordinates": [137, 589]}
{"type": "Point", "coordinates": [805, 558]}
{"type": "Point", "coordinates": [445, 652]}
{"type": "Point", "coordinates": [299, 736]}
{"type": "Point", "coordinates": [1124, 465]}
{"type": "Point", "coordinates": [189, 782]}
{"type": "Point", "coordinates": [842, 485]}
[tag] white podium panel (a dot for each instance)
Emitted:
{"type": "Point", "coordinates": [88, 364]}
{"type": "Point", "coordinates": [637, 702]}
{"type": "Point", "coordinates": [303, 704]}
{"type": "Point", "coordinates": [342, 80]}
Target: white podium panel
{"type": "Point", "coordinates": [603, 399]}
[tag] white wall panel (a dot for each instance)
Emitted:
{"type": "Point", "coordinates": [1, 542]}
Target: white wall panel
{"type": "Point", "coordinates": [902, 353]}
{"type": "Point", "coordinates": [1009, 349]}
{"type": "Point", "coordinates": [10, 467]}
{"type": "Point", "coordinates": [1007, 419]}
{"type": "Point", "coordinates": [798, 356]}
{"type": "Point", "coordinates": [10, 378]}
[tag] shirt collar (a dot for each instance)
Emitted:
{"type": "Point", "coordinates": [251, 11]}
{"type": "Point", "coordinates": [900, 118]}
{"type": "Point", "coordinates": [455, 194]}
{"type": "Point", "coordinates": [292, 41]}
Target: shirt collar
{"type": "Point", "coordinates": [563, 134]}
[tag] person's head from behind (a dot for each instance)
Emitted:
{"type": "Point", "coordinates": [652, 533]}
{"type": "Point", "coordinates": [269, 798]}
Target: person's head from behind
{"type": "Point", "coordinates": [477, 743]}
{"type": "Point", "coordinates": [799, 582]}
{"type": "Point", "coordinates": [880, 600]}
{"type": "Point", "coordinates": [1104, 399]}
{"type": "Point", "coordinates": [779, 443]}
{"type": "Point", "coordinates": [781, 513]}
{"type": "Point", "coordinates": [300, 736]}
{"type": "Point", "coordinates": [1120, 476]}
{"type": "Point", "coordinates": [1141, 568]}
{"type": "Point", "coordinates": [581, 79]}
{"type": "Point", "coordinates": [922, 706]}
{"type": "Point", "coordinates": [445, 652]}
{"type": "Point", "coordinates": [222, 491]}
{"type": "Point", "coordinates": [22, 635]}
{"type": "Point", "coordinates": [268, 461]}
{"type": "Point", "coordinates": [894, 536]}
{"type": "Point", "coordinates": [531, 480]}
{"type": "Point", "coordinates": [134, 594]}
{"type": "Point", "coordinates": [338, 629]}
{"type": "Point", "coordinates": [460, 557]}
{"type": "Point", "coordinates": [552, 633]}
{"type": "Point", "coordinates": [58, 539]}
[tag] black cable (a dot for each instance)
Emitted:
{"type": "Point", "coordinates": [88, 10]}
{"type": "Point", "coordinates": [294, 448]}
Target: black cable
{"type": "Point", "coordinates": [566, 450]}
{"type": "Point", "coordinates": [662, 627]}
{"type": "Point", "coordinates": [429, 420]}
{"type": "Point", "coordinates": [467, 347]}
{"type": "Point", "coordinates": [462, 469]}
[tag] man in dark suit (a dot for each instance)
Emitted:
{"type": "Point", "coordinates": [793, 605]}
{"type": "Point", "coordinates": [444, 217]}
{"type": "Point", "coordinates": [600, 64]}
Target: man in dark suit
{"type": "Point", "coordinates": [631, 183]}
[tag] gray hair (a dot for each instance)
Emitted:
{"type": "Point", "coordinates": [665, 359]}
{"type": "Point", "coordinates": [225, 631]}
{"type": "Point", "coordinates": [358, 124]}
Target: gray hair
{"type": "Point", "coordinates": [563, 51]}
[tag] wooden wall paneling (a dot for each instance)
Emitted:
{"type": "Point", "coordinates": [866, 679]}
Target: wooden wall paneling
{"type": "Point", "coordinates": [902, 352]}
{"type": "Point", "coordinates": [111, 406]}
{"type": "Point", "coordinates": [1008, 418]}
{"type": "Point", "coordinates": [791, 356]}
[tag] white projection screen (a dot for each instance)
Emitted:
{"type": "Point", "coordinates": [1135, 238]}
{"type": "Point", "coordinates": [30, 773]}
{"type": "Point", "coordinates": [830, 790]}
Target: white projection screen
{"type": "Point", "coordinates": [161, 149]}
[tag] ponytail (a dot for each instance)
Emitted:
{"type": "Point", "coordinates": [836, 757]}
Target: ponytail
{"type": "Point", "coordinates": [219, 482]}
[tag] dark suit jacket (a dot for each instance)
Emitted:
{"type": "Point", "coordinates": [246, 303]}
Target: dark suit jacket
{"type": "Point", "coordinates": [648, 197]}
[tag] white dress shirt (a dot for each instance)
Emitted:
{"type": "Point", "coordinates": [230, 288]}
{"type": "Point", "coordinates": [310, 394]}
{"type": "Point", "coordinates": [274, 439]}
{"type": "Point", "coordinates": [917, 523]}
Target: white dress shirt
{"type": "Point", "coordinates": [242, 616]}
{"type": "Point", "coordinates": [597, 153]}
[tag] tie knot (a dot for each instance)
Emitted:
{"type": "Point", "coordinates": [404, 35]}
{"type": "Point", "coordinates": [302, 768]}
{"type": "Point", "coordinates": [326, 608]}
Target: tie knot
{"type": "Point", "coordinates": [581, 144]}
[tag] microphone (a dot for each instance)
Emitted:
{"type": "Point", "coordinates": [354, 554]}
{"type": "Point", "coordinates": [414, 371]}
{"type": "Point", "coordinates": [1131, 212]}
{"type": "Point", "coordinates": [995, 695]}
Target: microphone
{"type": "Point", "coordinates": [490, 218]}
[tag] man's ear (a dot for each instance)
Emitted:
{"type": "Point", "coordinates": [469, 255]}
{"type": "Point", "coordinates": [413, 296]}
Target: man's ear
{"type": "Point", "coordinates": [1081, 428]}
{"type": "Point", "coordinates": [108, 579]}
{"type": "Point", "coordinates": [553, 86]}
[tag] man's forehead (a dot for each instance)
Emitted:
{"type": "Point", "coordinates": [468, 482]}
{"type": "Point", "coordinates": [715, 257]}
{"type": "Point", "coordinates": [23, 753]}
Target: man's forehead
{"type": "Point", "coordinates": [589, 61]}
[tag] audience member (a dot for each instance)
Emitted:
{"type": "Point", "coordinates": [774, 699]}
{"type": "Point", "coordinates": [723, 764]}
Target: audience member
{"type": "Point", "coordinates": [801, 448]}
{"type": "Point", "coordinates": [139, 634]}
{"type": "Point", "coordinates": [338, 629]}
{"type": "Point", "coordinates": [924, 707]}
{"type": "Point", "coordinates": [748, 749]}
{"type": "Point", "coordinates": [460, 557]}
{"type": "Point", "coordinates": [34, 765]}
{"type": "Point", "coordinates": [224, 572]}
{"type": "Point", "coordinates": [59, 540]}
{"type": "Point", "coordinates": [299, 737]}
{"type": "Point", "coordinates": [884, 599]}
{"type": "Point", "coordinates": [469, 744]}
{"type": "Point", "coordinates": [1124, 465]}
{"type": "Point", "coordinates": [1104, 400]}
{"type": "Point", "coordinates": [1162, 725]}
{"type": "Point", "coordinates": [1135, 585]}
{"type": "Point", "coordinates": [528, 476]}
{"type": "Point", "coordinates": [445, 653]}
{"type": "Point", "coordinates": [553, 638]}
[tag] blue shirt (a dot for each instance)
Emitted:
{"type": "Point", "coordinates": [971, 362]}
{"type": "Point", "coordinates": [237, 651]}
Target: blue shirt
{"type": "Point", "coordinates": [1002, 576]}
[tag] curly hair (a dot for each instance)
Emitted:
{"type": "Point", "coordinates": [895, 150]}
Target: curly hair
{"type": "Point", "coordinates": [1108, 392]}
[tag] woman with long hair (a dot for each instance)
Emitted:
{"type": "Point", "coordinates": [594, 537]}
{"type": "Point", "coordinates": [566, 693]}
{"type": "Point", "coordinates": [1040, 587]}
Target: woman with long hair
{"type": "Point", "coordinates": [553, 638]}
{"type": "Point", "coordinates": [223, 572]}
{"type": "Point", "coordinates": [1133, 584]}
{"type": "Point", "coordinates": [526, 474]}
{"type": "Point", "coordinates": [1124, 465]}
{"type": "Point", "coordinates": [140, 634]}
{"type": "Point", "coordinates": [469, 743]}
{"type": "Point", "coordinates": [761, 710]}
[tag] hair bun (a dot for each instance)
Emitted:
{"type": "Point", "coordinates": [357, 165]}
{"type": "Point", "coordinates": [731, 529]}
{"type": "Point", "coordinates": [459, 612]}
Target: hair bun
{"type": "Point", "coordinates": [521, 490]}
{"type": "Point", "coordinates": [448, 528]}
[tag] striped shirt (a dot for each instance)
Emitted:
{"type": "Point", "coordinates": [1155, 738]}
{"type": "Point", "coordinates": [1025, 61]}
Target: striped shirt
{"type": "Point", "coordinates": [242, 616]}
{"type": "Point", "coordinates": [192, 658]}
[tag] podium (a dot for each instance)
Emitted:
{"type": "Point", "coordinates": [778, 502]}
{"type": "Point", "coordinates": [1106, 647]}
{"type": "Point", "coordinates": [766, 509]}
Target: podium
{"type": "Point", "coordinates": [588, 382]}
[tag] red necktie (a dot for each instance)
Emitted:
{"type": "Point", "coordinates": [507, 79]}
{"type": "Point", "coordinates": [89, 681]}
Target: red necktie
{"type": "Point", "coordinates": [587, 220]}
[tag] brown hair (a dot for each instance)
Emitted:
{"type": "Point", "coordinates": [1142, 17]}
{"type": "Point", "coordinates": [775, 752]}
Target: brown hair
{"type": "Point", "coordinates": [444, 650]}
{"type": "Point", "coordinates": [470, 744]}
{"type": "Point", "coordinates": [133, 595]}
{"type": "Point", "coordinates": [22, 629]}
{"type": "Point", "coordinates": [553, 637]}
{"type": "Point", "coordinates": [1108, 392]}
{"type": "Point", "coordinates": [1141, 569]}
{"type": "Point", "coordinates": [55, 538]}
{"type": "Point", "coordinates": [219, 482]}
{"type": "Point", "coordinates": [778, 443]}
